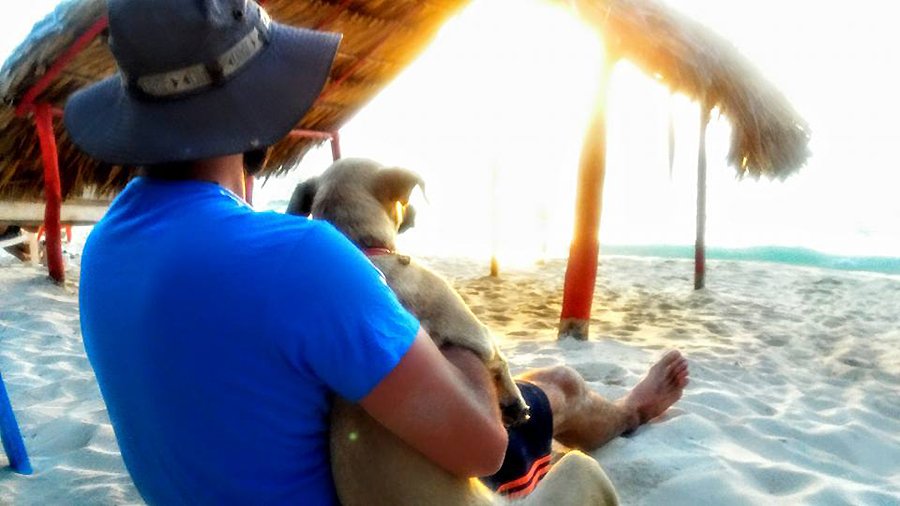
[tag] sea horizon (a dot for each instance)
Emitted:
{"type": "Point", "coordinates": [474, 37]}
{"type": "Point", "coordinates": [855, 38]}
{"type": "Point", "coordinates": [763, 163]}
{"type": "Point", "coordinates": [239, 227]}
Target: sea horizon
{"type": "Point", "coordinates": [789, 255]}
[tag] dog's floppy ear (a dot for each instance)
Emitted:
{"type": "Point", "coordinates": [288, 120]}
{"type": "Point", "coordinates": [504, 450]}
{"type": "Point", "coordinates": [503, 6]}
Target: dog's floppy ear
{"type": "Point", "coordinates": [395, 185]}
{"type": "Point", "coordinates": [302, 199]}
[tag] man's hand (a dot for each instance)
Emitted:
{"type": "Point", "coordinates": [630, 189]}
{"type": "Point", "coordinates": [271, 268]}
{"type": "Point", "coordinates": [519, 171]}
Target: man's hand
{"type": "Point", "coordinates": [444, 406]}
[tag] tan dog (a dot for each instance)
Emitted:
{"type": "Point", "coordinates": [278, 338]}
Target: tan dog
{"type": "Point", "coordinates": [371, 466]}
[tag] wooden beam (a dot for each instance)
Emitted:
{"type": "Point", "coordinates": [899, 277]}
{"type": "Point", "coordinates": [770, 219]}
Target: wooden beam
{"type": "Point", "coordinates": [581, 271]}
{"type": "Point", "coordinates": [43, 118]}
{"type": "Point", "coordinates": [700, 242]}
{"type": "Point", "coordinates": [74, 212]}
{"type": "Point", "coordinates": [311, 134]}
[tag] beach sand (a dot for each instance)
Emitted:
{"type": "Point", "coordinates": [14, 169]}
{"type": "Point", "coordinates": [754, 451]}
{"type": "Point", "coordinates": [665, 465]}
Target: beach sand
{"type": "Point", "coordinates": [794, 394]}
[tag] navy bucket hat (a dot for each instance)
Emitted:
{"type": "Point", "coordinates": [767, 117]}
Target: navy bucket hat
{"type": "Point", "coordinates": [198, 79]}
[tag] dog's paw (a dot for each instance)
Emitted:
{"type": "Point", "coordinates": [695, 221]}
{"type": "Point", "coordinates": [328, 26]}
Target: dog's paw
{"type": "Point", "coordinates": [515, 413]}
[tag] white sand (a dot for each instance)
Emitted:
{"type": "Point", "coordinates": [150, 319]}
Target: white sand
{"type": "Point", "coordinates": [55, 396]}
{"type": "Point", "coordinates": [795, 393]}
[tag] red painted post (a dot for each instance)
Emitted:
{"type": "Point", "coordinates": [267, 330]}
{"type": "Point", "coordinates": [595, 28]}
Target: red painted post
{"type": "Point", "coordinates": [581, 271]}
{"type": "Point", "coordinates": [700, 242]}
{"type": "Point", "coordinates": [335, 146]}
{"type": "Point", "coordinates": [43, 118]}
{"type": "Point", "coordinates": [59, 65]}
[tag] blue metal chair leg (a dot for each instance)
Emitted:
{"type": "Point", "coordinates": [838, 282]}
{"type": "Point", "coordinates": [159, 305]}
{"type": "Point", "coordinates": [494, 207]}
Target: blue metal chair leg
{"type": "Point", "coordinates": [12, 438]}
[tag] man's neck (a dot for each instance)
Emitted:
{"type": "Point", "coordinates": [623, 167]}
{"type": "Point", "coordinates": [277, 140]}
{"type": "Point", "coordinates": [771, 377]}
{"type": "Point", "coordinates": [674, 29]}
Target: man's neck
{"type": "Point", "coordinates": [226, 171]}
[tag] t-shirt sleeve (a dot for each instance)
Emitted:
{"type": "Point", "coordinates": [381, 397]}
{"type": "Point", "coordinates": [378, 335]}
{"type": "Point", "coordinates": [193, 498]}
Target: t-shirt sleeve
{"type": "Point", "coordinates": [353, 330]}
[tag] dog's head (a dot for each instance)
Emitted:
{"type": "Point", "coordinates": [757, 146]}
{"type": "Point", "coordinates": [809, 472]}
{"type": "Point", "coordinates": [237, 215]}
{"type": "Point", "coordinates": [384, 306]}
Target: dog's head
{"type": "Point", "coordinates": [369, 203]}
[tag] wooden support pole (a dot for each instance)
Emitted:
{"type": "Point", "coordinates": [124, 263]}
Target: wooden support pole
{"type": "Point", "coordinates": [671, 138]}
{"type": "Point", "coordinates": [581, 271]}
{"type": "Point", "coordinates": [34, 249]}
{"type": "Point", "coordinates": [43, 117]}
{"type": "Point", "coordinates": [335, 146]}
{"type": "Point", "coordinates": [700, 242]}
{"type": "Point", "coordinates": [495, 267]}
{"type": "Point", "coordinates": [248, 188]}
{"type": "Point", "coordinates": [495, 218]}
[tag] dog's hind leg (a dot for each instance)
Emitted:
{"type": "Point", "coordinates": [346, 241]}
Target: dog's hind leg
{"type": "Point", "coordinates": [576, 480]}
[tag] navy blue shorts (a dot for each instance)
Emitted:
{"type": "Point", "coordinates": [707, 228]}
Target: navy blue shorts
{"type": "Point", "coordinates": [528, 453]}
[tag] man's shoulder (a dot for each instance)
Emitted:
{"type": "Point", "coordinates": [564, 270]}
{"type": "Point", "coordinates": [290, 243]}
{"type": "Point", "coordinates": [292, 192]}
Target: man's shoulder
{"type": "Point", "coordinates": [294, 230]}
{"type": "Point", "coordinates": [297, 240]}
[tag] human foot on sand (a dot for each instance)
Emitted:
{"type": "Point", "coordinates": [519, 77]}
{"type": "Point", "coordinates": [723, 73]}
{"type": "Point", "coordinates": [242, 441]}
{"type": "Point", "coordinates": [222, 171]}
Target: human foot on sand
{"type": "Point", "coordinates": [660, 388]}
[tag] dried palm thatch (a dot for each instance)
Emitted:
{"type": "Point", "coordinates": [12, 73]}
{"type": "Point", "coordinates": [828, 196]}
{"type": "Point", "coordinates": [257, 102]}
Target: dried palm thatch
{"type": "Point", "coordinates": [380, 38]}
{"type": "Point", "coordinates": [768, 136]}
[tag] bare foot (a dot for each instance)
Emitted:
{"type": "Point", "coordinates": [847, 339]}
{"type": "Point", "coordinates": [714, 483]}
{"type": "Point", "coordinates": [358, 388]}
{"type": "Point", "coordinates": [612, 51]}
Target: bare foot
{"type": "Point", "coordinates": [660, 388]}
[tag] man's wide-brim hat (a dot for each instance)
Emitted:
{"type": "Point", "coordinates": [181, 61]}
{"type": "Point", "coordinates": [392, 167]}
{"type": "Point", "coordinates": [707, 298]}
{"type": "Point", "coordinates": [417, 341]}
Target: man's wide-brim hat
{"type": "Point", "coordinates": [198, 79]}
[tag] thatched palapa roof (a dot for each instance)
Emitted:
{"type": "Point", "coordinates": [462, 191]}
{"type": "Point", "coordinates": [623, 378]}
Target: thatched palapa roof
{"type": "Point", "coordinates": [381, 37]}
{"type": "Point", "coordinates": [768, 136]}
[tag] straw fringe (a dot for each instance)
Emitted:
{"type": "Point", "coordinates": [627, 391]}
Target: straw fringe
{"type": "Point", "coordinates": [769, 138]}
{"type": "Point", "coordinates": [381, 37]}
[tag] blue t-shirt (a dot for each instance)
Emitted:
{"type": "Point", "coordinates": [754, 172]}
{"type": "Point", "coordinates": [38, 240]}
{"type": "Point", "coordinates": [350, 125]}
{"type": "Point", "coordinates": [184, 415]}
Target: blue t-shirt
{"type": "Point", "coordinates": [218, 335]}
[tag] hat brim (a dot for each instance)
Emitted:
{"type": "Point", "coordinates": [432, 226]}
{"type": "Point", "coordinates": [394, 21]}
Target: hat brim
{"type": "Point", "coordinates": [255, 108]}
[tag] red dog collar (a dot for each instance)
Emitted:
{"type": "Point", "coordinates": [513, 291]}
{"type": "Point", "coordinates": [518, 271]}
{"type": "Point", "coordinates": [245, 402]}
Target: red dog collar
{"type": "Point", "coordinates": [374, 252]}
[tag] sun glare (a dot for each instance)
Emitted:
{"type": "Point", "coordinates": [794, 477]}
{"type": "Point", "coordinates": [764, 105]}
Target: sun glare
{"type": "Point", "coordinates": [494, 113]}
{"type": "Point", "coordinates": [493, 116]}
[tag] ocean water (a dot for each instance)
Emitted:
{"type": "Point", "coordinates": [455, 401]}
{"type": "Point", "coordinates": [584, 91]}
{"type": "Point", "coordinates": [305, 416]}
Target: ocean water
{"type": "Point", "coordinates": [777, 254]}
{"type": "Point", "coordinates": [799, 256]}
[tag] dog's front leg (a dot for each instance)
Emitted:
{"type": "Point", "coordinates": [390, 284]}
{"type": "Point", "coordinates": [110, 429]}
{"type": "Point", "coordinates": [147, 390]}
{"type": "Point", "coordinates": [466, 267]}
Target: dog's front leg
{"type": "Point", "coordinates": [512, 405]}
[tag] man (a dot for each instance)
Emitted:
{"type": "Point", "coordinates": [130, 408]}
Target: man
{"type": "Point", "coordinates": [218, 334]}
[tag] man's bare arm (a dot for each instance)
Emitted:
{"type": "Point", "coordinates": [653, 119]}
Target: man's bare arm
{"type": "Point", "coordinates": [444, 406]}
